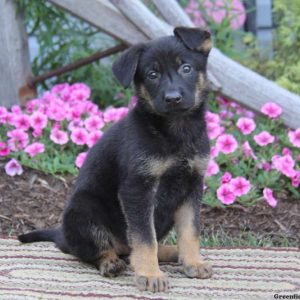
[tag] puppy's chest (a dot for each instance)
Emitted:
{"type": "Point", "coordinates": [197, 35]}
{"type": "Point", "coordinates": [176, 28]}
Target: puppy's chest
{"type": "Point", "coordinates": [178, 164]}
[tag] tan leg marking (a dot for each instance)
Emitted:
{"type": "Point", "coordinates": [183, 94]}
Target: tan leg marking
{"type": "Point", "coordinates": [188, 244]}
{"type": "Point", "coordinates": [167, 253]}
{"type": "Point", "coordinates": [144, 261]}
{"type": "Point", "coordinates": [110, 265]}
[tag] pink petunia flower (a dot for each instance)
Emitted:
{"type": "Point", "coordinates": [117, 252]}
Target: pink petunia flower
{"type": "Point", "coordinates": [214, 130]}
{"type": "Point", "coordinates": [33, 105]}
{"type": "Point", "coordinates": [35, 148]}
{"type": "Point", "coordinates": [226, 178]}
{"type": "Point", "coordinates": [264, 138]}
{"type": "Point", "coordinates": [75, 124]}
{"type": "Point", "coordinates": [79, 136]}
{"type": "Point", "coordinates": [248, 150]}
{"type": "Point", "coordinates": [13, 168]}
{"type": "Point", "coordinates": [76, 111]}
{"type": "Point", "coordinates": [241, 186]}
{"type": "Point", "coordinates": [246, 125]}
{"type": "Point", "coordinates": [214, 152]}
{"type": "Point", "coordinates": [7, 118]}
{"type": "Point", "coordinates": [60, 88]}
{"type": "Point", "coordinates": [18, 139]}
{"type": "Point", "coordinates": [284, 164]}
{"type": "Point", "coordinates": [21, 121]}
{"type": "Point", "coordinates": [93, 137]}
{"type": "Point", "coordinates": [243, 112]}
{"type": "Point", "coordinates": [220, 9]}
{"type": "Point", "coordinates": [59, 137]}
{"type": "Point", "coordinates": [93, 123]}
{"type": "Point", "coordinates": [268, 195]}
{"type": "Point", "coordinates": [38, 120]}
{"type": "Point", "coordinates": [225, 194]}
{"type": "Point", "coordinates": [80, 159]}
{"type": "Point", "coordinates": [57, 110]}
{"type": "Point", "coordinates": [212, 168]}
{"type": "Point", "coordinates": [37, 132]}
{"type": "Point", "coordinates": [226, 114]}
{"type": "Point", "coordinates": [16, 109]}
{"type": "Point", "coordinates": [286, 151]}
{"type": "Point", "coordinates": [226, 143]}
{"type": "Point", "coordinates": [212, 117]}
{"type": "Point", "coordinates": [223, 102]}
{"type": "Point", "coordinates": [271, 109]}
{"type": "Point", "coordinates": [193, 10]}
{"type": "Point", "coordinates": [4, 150]}
{"type": "Point", "coordinates": [294, 137]}
{"type": "Point", "coordinates": [296, 179]}
{"type": "Point", "coordinates": [266, 166]}
{"type": "Point", "coordinates": [79, 92]}
{"type": "Point", "coordinates": [113, 114]}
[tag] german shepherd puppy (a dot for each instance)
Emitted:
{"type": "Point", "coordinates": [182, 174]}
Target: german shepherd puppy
{"type": "Point", "coordinates": [145, 175]}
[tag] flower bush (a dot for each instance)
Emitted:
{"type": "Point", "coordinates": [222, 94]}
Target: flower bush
{"type": "Point", "coordinates": [253, 157]}
{"type": "Point", "coordinates": [53, 133]}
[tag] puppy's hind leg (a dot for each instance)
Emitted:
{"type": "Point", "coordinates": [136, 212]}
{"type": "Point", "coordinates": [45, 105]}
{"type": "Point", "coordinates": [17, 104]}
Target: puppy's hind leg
{"type": "Point", "coordinates": [91, 242]}
{"type": "Point", "coordinates": [109, 263]}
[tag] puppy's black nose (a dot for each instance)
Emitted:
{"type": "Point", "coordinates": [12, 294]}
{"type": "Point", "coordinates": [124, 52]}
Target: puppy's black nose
{"type": "Point", "coordinates": [173, 97]}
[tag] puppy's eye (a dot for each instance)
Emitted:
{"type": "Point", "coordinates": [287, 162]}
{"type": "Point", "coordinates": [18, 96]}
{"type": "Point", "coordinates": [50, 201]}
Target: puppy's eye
{"type": "Point", "coordinates": [186, 68]}
{"type": "Point", "coordinates": [152, 75]}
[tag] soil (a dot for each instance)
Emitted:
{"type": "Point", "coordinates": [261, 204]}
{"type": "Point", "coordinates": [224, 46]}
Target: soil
{"type": "Point", "coordinates": [36, 200]}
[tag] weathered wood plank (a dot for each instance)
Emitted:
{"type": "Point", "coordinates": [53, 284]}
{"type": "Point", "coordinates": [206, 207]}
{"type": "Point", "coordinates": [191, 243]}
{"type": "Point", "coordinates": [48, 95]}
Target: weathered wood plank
{"type": "Point", "coordinates": [251, 89]}
{"type": "Point", "coordinates": [14, 54]}
{"type": "Point", "coordinates": [103, 15]}
{"type": "Point", "coordinates": [173, 13]}
{"type": "Point", "coordinates": [143, 18]}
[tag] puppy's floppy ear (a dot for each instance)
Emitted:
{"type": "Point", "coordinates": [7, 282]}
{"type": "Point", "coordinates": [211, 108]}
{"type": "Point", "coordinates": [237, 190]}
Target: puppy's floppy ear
{"type": "Point", "coordinates": [194, 38]}
{"type": "Point", "coordinates": [125, 67]}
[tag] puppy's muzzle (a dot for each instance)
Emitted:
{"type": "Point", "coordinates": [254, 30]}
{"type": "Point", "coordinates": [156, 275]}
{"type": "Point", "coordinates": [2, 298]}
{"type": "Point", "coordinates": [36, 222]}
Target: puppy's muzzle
{"type": "Point", "coordinates": [173, 98]}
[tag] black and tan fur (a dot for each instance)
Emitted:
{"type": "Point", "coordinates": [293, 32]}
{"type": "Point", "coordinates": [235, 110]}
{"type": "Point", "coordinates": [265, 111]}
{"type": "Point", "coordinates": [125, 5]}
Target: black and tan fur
{"type": "Point", "coordinates": [145, 175]}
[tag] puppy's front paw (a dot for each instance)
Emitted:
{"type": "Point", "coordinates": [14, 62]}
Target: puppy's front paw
{"type": "Point", "coordinates": [112, 267]}
{"type": "Point", "coordinates": [201, 270]}
{"type": "Point", "coordinates": [159, 283]}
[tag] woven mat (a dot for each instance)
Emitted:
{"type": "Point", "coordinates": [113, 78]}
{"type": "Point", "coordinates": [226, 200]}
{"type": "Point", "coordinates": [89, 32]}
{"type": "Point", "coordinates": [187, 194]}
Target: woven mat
{"type": "Point", "coordinates": [40, 271]}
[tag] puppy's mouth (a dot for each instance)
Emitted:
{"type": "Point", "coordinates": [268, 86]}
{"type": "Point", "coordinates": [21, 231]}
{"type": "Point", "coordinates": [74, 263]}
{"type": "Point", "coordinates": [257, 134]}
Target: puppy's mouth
{"type": "Point", "coordinates": [178, 108]}
{"type": "Point", "coordinates": [170, 109]}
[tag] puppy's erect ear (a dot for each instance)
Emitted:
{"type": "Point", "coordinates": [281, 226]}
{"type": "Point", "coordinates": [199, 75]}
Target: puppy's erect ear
{"type": "Point", "coordinates": [125, 67]}
{"type": "Point", "coordinates": [194, 38]}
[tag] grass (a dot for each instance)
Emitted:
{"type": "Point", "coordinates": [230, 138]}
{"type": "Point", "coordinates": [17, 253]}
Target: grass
{"type": "Point", "coordinates": [244, 239]}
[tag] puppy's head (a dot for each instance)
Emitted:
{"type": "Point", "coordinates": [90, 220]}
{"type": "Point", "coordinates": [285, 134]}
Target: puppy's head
{"type": "Point", "coordinates": [168, 73]}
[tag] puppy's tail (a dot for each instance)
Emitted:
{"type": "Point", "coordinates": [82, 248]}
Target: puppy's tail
{"type": "Point", "coordinates": [45, 235]}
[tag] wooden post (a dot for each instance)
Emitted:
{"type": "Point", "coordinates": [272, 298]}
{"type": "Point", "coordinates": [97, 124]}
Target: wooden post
{"type": "Point", "coordinates": [14, 55]}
